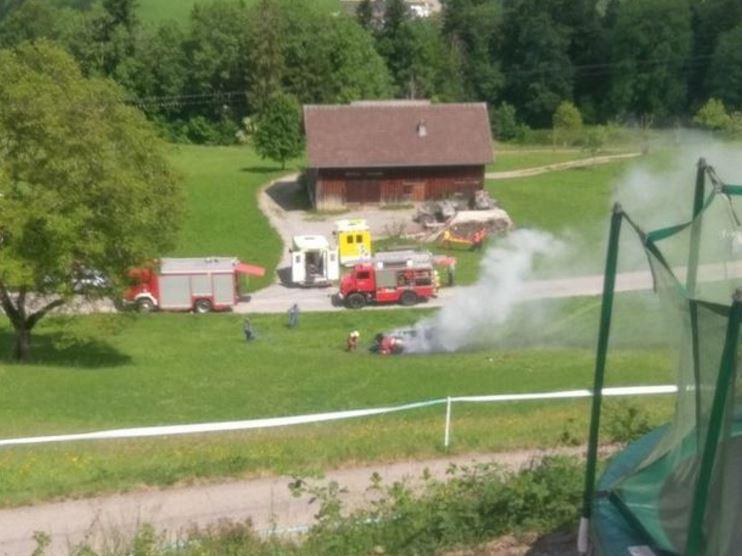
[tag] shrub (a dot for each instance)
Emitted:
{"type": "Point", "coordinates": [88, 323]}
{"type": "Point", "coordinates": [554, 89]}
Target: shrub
{"type": "Point", "coordinates": [625, 422]}
{"type": "Point", "coordinates": [566, 122]}
{"type": "Point", "coordinates": [505, 124]}
{"type": "Point", "coordinates": [713, 116]}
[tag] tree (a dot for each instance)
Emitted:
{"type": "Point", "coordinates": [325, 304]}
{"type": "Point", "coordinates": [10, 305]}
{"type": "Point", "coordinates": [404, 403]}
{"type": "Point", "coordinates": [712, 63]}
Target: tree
{"type": "Point", "coordinates": [331, 59]}
{"type": "Point", "coordinates": [278, 129]}
{"type": "Point", "coordinates": [158, 68]}
{"type": "Point", "coordinates": [713, 115]}
{"type": "Point", "coordinates": [365, 15]}
{"type": "Point", "coordinates": [566, 122]}
{"type": "Point", "coordinates": [122, 12]}
{"type": "Point", "coordinates": [475, 30]}
{"type": "Point", "coordinates": [266, 44]}
{"type": "Point", "coordinates": [710, 19]}
{"type": "Point", "coordinates": [651, 43]}
{"type": "Point", "coordinates": [505, 122]}
{"type": "Point", "coordinates": [540, 73]}
{"type": "Point", "coordinates": [395, 14]}
{"type": "Point", "coordinates": [588, 49]}
{"type": "Point", "coordinates": [84, 186]}
{"type": "Point", "coordinates": [422, 64]}
{"type": "Point", "coordinates": [725, 73]}
{"type": "Point", "coordinates": [29, 21]}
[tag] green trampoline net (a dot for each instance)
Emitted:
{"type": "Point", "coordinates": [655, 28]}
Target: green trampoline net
{"type": "Point", "coordinates": [679, 489]}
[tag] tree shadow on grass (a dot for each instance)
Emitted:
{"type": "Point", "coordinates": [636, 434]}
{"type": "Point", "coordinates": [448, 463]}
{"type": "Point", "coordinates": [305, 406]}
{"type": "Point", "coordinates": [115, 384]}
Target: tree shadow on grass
{"type": "Point", "coordinates": [53, 349]}
{"type": "Point", "coordinates": [263, 169]}
{"type": "Point", "coordinates": [289, 195]}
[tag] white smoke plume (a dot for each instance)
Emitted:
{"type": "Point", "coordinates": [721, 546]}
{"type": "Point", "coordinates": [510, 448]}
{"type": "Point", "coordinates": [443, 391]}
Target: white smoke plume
{"type": "Point", "coordinates": [655, 195]}
{"type": "Point", "coordinates": [477, 311]}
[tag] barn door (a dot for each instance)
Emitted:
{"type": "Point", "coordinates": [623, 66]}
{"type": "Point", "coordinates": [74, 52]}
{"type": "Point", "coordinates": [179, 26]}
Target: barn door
{"type": "Point", "coordinates": [363, 191]}
{"type": "Point", "coordinates": [372, 191]}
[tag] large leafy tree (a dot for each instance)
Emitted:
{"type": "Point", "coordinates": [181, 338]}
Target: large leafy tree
{"type": "Point", "coordinates": [278, 134]}
{"type": "Point", "coordinates": [651, 44]}
{"type": "Point", "coordinates": [84, 186]}
{"type": "Point", "coordinates": [725, 73]}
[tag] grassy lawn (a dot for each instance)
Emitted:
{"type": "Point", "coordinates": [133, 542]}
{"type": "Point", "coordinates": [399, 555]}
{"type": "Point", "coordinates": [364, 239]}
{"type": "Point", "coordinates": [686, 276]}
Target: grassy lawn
{"type": "Point", "coordinates": [223, 217]}
{"type": "Point", "coordinates": [180, 10]}
{"type": "Point", "coordinates": [175, 368]}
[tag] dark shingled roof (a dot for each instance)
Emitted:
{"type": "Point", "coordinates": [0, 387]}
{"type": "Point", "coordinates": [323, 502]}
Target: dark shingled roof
{"type": "Point", "coordinates": [397, 133]}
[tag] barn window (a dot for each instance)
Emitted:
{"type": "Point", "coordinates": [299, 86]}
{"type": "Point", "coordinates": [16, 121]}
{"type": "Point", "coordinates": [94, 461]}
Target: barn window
{"type": "Point", "coordinates": [349, 239]}
{"type": "Point", "coordinates": [359, 238]}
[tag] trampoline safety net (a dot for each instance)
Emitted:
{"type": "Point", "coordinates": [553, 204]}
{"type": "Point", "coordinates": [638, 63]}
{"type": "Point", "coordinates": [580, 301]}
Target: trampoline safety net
{"type": "Point", "coordinates": [678, 490]}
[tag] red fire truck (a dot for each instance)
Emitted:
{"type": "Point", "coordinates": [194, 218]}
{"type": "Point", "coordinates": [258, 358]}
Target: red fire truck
{"type": "Point", "coordinates": [201, 285]}
{"type": "Point", "coordinates": [404, 277]}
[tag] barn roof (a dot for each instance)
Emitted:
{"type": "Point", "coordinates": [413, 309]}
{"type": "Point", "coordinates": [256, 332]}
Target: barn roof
{"type": "Point", "coordinates": [397, 133]}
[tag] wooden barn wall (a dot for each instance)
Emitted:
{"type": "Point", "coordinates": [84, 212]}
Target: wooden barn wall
{"type": "Point", "coordinates": [338, 187]}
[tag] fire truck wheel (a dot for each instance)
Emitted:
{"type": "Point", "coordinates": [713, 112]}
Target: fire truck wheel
{"type": "Point", "coordinates": [355, 301]}
{"type": "Point", "coordinates": [408, 298]}
{"type": "Point", "coordinates": [202, 306]}
{"type": "Point", "coordinates": [145, 305]}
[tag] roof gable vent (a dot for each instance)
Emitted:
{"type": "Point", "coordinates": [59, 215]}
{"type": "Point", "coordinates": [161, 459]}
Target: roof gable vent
{"type": "Point", "coordinates": [422, 129]}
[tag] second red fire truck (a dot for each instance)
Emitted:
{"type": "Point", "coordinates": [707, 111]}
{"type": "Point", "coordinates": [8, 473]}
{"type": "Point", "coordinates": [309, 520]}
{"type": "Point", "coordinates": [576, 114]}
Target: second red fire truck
{"type": "Point", "coordinates": [404, 277]}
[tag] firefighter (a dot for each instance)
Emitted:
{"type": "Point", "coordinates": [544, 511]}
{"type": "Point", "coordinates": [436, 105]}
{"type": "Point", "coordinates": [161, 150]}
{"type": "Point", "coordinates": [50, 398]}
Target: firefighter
{"type": "Point", "coordinates": [351, 343]}
{"type": "Point", "coordinates": [478, 238]}
{"type": "Point", "coordinates": [451, 268]}
{"type": "Point", "coordinates": [248, 330]}
{"type": "Point", "coordinates": [293, 314]}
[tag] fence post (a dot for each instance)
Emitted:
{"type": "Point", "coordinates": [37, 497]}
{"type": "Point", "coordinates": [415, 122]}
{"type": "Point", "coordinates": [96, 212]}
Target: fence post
{"type": "Point", "coordinates": [447, 435]}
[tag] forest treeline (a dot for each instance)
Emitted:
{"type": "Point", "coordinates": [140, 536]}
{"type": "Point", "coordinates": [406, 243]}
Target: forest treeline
{"type": "Point", "coordinates": [649, 62]}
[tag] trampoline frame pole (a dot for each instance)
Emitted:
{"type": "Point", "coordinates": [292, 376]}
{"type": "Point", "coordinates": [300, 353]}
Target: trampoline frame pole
{"type": "Point", "coordinates": [606, 312]}
{"type": "Point", "coordinates": [696, 543]}
{"type": "Point", "coordinates": [692, 277]}
{"type": "Point", "coordinates": [695, 233]}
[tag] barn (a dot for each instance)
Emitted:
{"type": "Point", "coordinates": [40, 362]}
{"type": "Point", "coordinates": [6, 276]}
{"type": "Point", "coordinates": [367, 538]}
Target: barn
{"type": "Point", "coordinates": [393, 152]}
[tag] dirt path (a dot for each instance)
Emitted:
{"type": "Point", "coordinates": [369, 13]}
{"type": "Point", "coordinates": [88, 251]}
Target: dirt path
{"type": "Point", "coordinates": [581, 163]}
{"type": "Point", "coordinates": [266, 501]}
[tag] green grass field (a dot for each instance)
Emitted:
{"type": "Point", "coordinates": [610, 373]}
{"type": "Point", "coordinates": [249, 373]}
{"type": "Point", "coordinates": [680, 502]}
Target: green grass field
{"type": "Point", "coordinates": [155, 11]}
{"type": "Point", "coordinates": [175, 368]}
{"type": "Point", "coordinates": [223, 217]}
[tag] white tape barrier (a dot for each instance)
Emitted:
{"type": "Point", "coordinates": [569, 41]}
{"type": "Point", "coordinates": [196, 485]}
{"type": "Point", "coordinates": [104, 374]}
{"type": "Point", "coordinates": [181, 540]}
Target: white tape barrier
{"type": "Point", "coordinates": [171, 430]}
{"type": "Point", "coordinates": [571, 394]}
